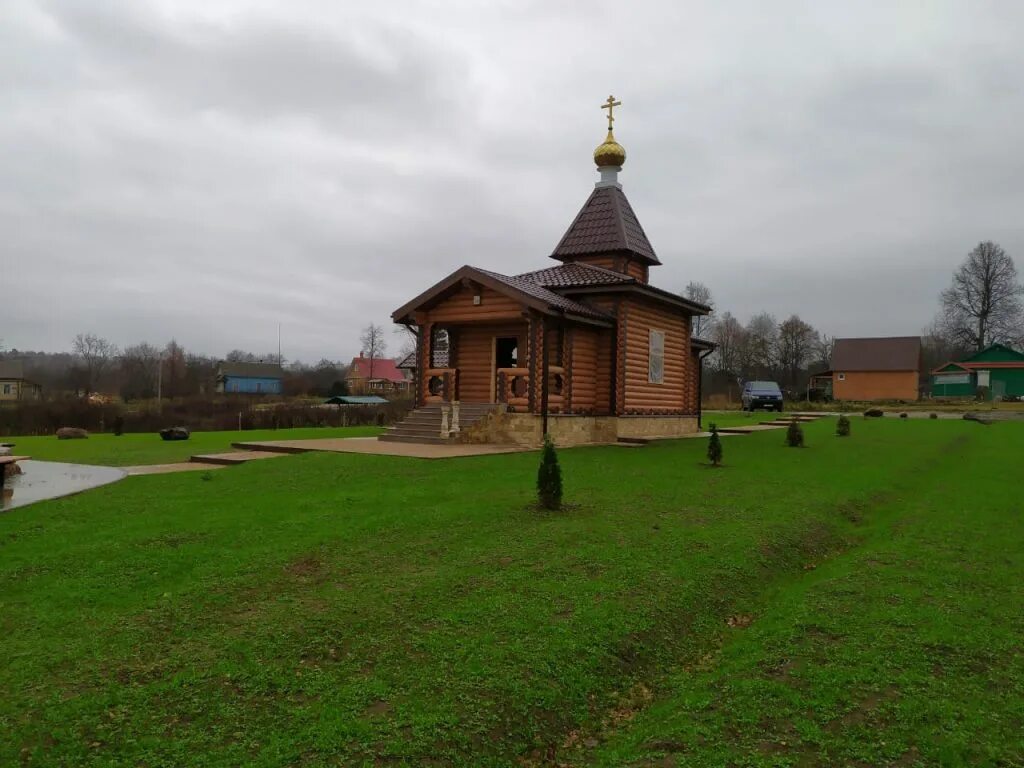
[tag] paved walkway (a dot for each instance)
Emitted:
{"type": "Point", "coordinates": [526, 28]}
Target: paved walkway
{"type": "Point", "coordinates": [234, 457]}
{"type": "Point", "coordinates": [164, 469]}
{"type": "Point", "coordinates": [744, 429]}
{"type": "Point", "coordinates": [377, 447]}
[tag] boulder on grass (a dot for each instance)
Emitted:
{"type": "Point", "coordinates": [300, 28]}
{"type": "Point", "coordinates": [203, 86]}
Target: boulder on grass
{"type": "Point", "coordinates": [71, 433]}
{"type": "Point", "coordinates": [874, 413]}
{"type": "Point", "coordinates": [977, 418]}
{"type": "Point", "coordinates": [175, 433]}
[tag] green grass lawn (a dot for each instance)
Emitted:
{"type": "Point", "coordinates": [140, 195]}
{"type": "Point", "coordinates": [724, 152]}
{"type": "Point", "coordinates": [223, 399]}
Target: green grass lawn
{"type": "Point", "coordinates": [737, 418]}
{"type": "Point", "coordinates": [148, 448]}
{"type": "Point", "coordinates": [855, 602]}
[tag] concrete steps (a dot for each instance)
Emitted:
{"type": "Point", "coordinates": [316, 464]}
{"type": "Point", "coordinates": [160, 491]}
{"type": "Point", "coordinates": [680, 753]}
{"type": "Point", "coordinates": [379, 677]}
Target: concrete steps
{"type": "Point", "coordinates": [424, 424]}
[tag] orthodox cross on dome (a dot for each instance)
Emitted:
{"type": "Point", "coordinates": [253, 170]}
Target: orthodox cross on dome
{"type": "Point", "coordinates": [610, 105]}
{"type": "Point", "coordinates": [610, 155]}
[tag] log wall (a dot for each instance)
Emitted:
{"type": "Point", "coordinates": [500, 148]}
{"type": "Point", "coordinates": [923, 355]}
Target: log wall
{"type": "Point", "coordinates": [459, 307]}
{"type": "Point", "coordinates": [583, 367]}
{"type": "Point", "coordinates": [605, 369]}
{"type": "Point", "coordinates": [677, 393]}
{"type": "Point", "coordinates": [693, 381]}
{"type": "Point", "coordinates": [474, 346]}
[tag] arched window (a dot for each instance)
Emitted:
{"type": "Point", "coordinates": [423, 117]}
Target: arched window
{"type": "Point", "coordinates": [439, 347]}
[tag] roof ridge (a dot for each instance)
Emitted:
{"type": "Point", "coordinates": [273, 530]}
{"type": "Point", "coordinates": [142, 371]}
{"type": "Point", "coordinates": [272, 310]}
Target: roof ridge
{"type": "Point", "coordinates": [596, 268]}
{"type": "Point", "coordinates": [581, 265]}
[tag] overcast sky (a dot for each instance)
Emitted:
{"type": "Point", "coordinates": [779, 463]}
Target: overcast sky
{"type": "Point", "coordinates": [206, 170]}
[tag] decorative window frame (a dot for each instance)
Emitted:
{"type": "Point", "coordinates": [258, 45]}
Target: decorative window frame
{"type": "Point", "coordinates": [656, 356]}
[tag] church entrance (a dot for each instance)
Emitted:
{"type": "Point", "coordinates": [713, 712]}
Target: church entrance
{"type": "Point", "coordinates": [506, 356]}
{"type": "Point", "coordinates": [506, 352]}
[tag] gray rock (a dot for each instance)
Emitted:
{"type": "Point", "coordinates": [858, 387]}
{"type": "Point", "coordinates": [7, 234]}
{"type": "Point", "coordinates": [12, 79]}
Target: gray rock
{"type": "Point", "coordinates": [71, 433]}
{"type": "Point", "coordinates": [175, 433]}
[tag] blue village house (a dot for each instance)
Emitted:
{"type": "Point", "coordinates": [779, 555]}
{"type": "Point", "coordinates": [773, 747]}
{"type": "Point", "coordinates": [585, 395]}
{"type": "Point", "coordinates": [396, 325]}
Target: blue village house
{"type": "Point", "coordinates": [249, 378]}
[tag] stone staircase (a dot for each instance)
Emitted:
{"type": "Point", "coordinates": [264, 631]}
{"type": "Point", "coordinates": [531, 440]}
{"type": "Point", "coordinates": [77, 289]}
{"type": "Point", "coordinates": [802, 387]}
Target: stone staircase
{"type": "Point", "coordinates": [424, 424]}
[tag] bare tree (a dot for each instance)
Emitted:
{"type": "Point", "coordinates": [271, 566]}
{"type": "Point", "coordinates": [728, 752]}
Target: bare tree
{"type": "Point", "coordinates": [983, 304]}
{"type": "Point", "coordinates": [822, 352]}
{"type": "Point", "coordinates": [173, 373]}
{"type": "Point", "coordinates": [96, 354]}
{"type": "Point", "coordinates": [700, 293]}
{"type": "Point", "coordinates": [762, 337]}
{"type": "Point", "coordinates": [937, 347]}
{"type": "Point", "coordinates": [373, 344]}
{"type": "Point", "coordinates": [728, 336]}
{"type": "Point", "coordinates": [408, 340]}
{"type": "Point", "coordinates": [796, 343]}
{"type": "Point", "coordinates": [139, 371]}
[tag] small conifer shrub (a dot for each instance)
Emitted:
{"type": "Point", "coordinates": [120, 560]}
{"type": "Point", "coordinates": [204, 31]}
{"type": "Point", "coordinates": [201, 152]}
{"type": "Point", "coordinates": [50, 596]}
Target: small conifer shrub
{"type": "Point", "coordinates": [843, 426]}
{"type": "Point", "coordinates": [795, 435]}
{"type": "Point", "coordinates": [549, 477]}
{"type": "Point", "coordinates": [714, 447]}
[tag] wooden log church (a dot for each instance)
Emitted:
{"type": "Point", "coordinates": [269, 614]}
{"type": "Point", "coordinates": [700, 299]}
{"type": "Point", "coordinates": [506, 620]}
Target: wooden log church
{"type": "Point", "coordinates": [587, 350]}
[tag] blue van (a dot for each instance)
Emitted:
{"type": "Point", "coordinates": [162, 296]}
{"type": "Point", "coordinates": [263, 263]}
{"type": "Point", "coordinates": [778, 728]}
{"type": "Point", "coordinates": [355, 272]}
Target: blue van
{"type": "Point", "coordinates": [761, 394]}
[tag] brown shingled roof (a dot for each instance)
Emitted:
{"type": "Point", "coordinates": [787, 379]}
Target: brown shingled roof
{"type": "Point", "coordinates": [895, 353]}
{"type": "Point", "coordinates": [521, 286]}
{"type": "Point", "coordinates": [532, 288]}
{"type": "Point", "coordinates": [606, 224]}
{"type": "Point", "coordinates": [12, 369]}
{"type": "Point", "coordinates": [574, 275]}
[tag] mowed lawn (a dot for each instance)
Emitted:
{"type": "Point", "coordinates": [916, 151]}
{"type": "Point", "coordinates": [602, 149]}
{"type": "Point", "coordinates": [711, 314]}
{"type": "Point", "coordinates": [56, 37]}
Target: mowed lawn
{"type": "Point", "coordinates": [855, 602]}
{"type": "Point", "coordinates": [148, 448]}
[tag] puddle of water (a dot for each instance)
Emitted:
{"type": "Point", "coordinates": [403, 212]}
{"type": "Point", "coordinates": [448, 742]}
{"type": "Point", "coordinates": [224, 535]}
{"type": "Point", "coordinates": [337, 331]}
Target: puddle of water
{"type": "Point", "coordinates": [49, 479]}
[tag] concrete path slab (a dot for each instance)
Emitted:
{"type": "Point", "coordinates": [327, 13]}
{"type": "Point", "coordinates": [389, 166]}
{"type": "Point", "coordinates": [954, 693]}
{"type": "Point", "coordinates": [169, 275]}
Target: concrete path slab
{"type": "Point", "coordinates": [371, 445]}
{"type": "Point", "coordinates": [234, 457]}
{"type": "Point", "coordinates": [164, 469]}
{"type": "Point", "coordinates": [742, 430]}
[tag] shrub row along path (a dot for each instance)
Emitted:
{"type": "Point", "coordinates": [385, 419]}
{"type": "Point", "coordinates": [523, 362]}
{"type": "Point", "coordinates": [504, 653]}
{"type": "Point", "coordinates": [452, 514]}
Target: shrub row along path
{"type": "Point", "coordinates": [854, 602]}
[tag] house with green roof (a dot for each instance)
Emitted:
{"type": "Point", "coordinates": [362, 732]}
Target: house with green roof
{"type": "Point", "coordinates": [997, 368]}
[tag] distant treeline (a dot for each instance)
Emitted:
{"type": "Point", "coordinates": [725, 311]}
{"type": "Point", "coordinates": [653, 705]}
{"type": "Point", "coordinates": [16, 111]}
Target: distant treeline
{"type": "Point", "coordinates": [138, 371]}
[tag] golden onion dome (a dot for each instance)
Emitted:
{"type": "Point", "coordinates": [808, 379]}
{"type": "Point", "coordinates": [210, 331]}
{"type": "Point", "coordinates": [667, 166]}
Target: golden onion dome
{"type": "Point", "coordinates": [609, 153]}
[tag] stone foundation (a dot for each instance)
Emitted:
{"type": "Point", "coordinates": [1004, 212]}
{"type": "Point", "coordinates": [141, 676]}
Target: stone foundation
{"type": "Point", "coordinates": [565, 430]}
{"type": "Point", "coordinates": [656, 426]}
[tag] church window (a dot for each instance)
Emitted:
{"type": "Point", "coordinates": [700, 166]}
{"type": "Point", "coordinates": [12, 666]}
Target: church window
{"type": "Point", "coordinates": [439, 347]}
{"type": "Point", "coordinates": [656, 361]}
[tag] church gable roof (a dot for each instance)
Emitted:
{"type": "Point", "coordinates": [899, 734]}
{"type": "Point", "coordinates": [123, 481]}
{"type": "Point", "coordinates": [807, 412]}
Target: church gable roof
{"type": "Point", "coordinates": [530, 287]}
{"type": "Point", "coordinates": [605, 224]}
{"type": "Point", "coordinates": [521, 287]}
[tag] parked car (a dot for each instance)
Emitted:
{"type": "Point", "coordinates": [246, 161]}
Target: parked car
{"type": "Point", "coordinates": [761, 394]}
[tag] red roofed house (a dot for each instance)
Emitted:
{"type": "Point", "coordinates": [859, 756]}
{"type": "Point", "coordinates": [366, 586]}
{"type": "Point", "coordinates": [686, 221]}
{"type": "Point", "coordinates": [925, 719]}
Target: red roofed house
{"type": "Point", "coordinates": [586, 350]}
{"type": "Point", "coordinates": [375, 375]}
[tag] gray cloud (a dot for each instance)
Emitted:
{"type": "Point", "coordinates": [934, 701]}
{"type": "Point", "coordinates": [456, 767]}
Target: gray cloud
{"type": "Point", "coordinates": [175, 169]}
